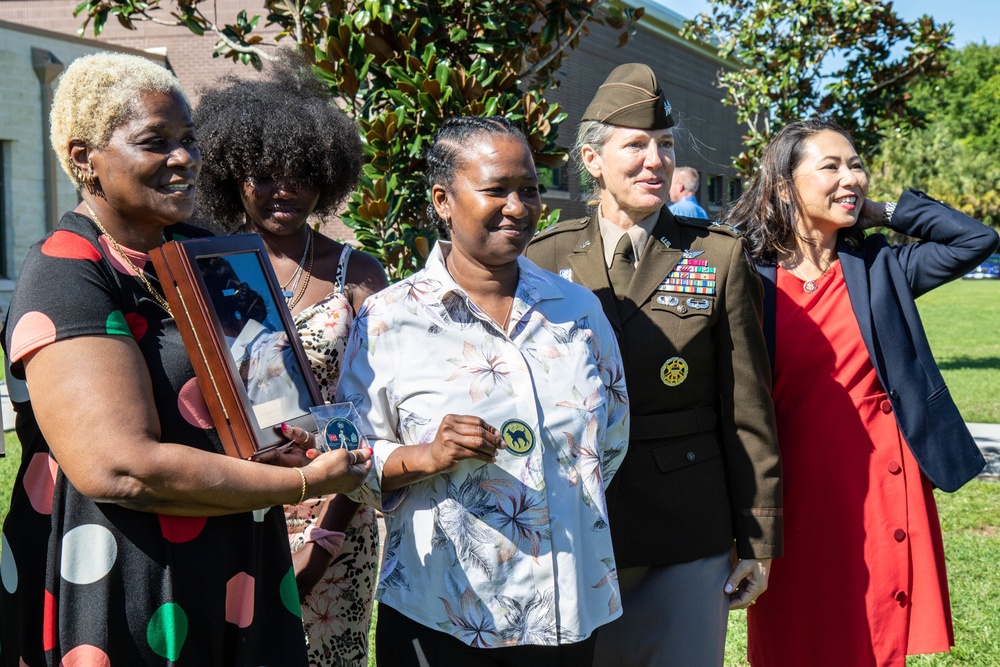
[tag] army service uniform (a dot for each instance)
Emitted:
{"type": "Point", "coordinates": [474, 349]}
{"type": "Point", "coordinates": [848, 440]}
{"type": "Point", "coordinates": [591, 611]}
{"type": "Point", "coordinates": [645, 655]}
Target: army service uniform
{"type": "Point", "coordinates": [703, 467]}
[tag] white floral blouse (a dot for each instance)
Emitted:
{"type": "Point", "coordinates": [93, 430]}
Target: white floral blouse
{"type": "Point", "coordinates": [518, 551]}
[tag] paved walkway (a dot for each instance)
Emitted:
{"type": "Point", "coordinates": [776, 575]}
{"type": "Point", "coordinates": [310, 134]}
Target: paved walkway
{"type": "Point", "coordinates": [986, 435]}
{"type": "Point", "coordinates": [988, 438]}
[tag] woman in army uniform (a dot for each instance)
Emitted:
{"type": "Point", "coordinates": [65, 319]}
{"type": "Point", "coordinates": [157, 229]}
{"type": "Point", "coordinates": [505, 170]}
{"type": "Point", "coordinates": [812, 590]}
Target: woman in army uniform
{"type": "Point", "coordinates": [695, 509]}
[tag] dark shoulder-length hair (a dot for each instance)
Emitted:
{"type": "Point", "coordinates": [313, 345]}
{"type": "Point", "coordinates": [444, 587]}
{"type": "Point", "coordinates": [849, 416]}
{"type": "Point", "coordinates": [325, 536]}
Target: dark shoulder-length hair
{"type": "Point", "coordinates": [767, 210]}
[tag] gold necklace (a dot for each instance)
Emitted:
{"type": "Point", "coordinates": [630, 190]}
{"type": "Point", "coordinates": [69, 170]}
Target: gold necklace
{"type": "Point", "coordinates": [121, 252]}
{"type": "Point", "coordinates": [808, 285]}
{"type": "Point", "coordinates": [293, 280]}
{"type": "Point", "coordinates": [307, 271]}
{"type": "Point", "coordinates": [510, 309]}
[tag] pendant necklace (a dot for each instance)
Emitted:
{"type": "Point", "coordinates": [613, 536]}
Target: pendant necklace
{"type": "Point", "coordinates": [121, 252]}
{"type": "Point", "coordinates": [808, 285]}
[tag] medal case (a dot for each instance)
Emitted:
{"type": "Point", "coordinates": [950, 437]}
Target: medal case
{"type": "Point", "coordinates": [226, 302]}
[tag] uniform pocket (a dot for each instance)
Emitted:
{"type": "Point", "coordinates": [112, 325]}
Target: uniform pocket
{"type": "Point", "coordinates": [687, 452]}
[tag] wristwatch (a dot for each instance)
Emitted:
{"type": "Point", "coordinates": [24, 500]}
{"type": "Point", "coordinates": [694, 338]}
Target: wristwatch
{"type": "Point", "coordinates": [890, 208]}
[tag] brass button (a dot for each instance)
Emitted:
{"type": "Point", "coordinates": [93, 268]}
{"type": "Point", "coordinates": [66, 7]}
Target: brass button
{"type": "Point", "coordinates": [682, 309]}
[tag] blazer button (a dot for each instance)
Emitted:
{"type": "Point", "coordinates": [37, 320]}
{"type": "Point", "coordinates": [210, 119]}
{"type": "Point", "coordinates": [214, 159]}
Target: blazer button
{"type": "Point", "coordinates": [894, 395]}
{"type": "Point", "coordinates": [690, 456]}
{"type": "Point", "coordinates": [901, 598]}
{"type": "Point", "coordinates": [886, 407]}
{"type": "Point", "coordinates": [894, 467]}
{"type": "Point", "coordinates": [899, 535]}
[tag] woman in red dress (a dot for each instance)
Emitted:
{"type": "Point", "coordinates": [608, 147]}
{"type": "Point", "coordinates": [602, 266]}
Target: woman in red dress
{"type": "Point", "coordinates": [865, 423]}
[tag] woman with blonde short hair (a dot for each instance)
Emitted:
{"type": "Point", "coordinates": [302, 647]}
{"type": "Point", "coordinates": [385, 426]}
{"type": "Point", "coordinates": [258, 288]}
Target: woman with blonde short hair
{"type": "Point", "coordinates": [131, 538]}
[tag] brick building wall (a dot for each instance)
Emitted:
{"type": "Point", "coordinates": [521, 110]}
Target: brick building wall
{"type": "Point", "coordinates": [707, 133]}
{"type": "Point", "coordinates": [24, 144]}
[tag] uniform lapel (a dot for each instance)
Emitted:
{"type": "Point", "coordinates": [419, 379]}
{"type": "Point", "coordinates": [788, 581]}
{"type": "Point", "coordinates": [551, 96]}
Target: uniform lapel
{"type": "Point", "coordinates": [589, 269]}
{"type": "Point", "coordinates": [656, 262]}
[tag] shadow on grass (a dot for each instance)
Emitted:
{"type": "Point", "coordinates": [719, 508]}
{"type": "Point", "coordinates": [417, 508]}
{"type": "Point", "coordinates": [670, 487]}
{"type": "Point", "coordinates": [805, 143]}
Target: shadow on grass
{"type": "Point", "coordinates": [975, 363]}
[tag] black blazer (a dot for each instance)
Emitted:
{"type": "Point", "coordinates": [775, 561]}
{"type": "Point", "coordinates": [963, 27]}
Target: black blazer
{"type": "Point", "coordinates": [883, 281]}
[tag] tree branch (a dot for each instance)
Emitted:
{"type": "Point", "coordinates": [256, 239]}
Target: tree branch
{"type": "Point", "coordinates": [902, 75]}
{"type": "Point", "coordinates": [541, 64]}
{"type": "Point", "coordinates": [240, 48]}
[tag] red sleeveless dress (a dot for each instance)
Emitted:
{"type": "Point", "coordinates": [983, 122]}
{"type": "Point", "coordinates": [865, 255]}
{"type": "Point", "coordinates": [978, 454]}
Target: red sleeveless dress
{"type": "Point", "coordinates": [863, 579]}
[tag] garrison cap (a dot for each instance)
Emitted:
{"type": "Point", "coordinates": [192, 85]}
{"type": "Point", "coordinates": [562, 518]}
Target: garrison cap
{"type": "Point", "coordinates": [629, 97]}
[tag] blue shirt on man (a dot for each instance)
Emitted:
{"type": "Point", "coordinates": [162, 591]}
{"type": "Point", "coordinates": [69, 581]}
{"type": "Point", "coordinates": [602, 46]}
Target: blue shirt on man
{"type": "Point", "coordinates": [689, 207]}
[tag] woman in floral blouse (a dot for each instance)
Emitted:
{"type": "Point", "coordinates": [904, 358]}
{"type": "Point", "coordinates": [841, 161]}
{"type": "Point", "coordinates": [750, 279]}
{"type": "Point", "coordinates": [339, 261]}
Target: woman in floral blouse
{"type": "Point", "coordinates": [492, 393]}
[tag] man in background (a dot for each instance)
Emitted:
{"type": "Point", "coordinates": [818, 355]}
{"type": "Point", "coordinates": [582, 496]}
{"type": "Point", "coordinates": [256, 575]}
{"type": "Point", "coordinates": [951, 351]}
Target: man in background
{"type": "Point", "coordinates": [683, 189]}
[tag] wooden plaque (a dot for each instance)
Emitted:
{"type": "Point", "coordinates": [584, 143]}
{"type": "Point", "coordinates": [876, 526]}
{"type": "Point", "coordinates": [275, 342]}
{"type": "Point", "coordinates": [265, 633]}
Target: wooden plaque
{"type": "Point", "coordinates": [240, 336]}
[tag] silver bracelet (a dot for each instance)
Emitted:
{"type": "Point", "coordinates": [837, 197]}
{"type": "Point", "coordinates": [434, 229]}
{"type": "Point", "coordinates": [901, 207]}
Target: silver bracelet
{"type": "Point", "coordinates": [890, 208]}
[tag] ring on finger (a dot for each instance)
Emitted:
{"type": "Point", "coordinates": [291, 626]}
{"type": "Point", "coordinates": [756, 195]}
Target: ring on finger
{"type": "Point", "coordinates": [352, 457]}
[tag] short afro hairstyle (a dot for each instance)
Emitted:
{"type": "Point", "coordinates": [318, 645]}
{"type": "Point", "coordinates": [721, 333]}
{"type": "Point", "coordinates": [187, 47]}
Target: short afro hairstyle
{"type": "Point", "coordinates": [285, 125]}
{"type": "Point", "coordinates": [97, 94]}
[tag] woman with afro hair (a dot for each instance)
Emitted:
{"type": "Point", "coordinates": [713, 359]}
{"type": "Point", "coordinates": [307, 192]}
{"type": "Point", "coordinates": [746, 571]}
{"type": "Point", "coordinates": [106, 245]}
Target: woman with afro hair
{"type": "Point", "coordinates": [277, 151]}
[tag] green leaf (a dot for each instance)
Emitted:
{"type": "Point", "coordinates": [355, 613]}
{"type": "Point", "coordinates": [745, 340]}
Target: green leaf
{"type": "Point", "coordinates": [194, 26]}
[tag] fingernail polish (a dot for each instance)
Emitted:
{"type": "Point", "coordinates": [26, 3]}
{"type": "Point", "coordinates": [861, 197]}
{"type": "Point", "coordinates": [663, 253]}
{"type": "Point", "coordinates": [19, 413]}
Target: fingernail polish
{"type": "Point", "coordinates": [729, 588]}
{"type": "Point", "coordinates": [285, 428]}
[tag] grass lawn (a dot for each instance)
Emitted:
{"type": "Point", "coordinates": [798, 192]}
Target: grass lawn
{"type": "Point", "coordinates": [962, 320]}
{"type": "Point", "coordinates": [970, 519]}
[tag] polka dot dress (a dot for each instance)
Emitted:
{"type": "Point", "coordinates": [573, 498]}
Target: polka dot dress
{"type": "Point", "coordinates": [97, 584]}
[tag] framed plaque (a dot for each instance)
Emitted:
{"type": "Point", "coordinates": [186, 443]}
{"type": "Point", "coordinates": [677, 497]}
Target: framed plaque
{"type": "Point", "coordinates": [246, 353]}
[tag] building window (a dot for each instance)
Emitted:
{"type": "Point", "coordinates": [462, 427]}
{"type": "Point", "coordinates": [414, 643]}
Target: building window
{"type": "Point", "coordinates": [735, 189]}
{"type": "Point", "coordinates": [715, 189]}
{"type": "Point", "coordinates": [551, 178]}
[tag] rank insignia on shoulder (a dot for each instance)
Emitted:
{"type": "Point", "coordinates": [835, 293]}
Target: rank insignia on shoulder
{"type": "Point", "coordinates": [566, 274]}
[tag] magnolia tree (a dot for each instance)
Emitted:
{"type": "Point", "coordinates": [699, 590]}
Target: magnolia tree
{"type": "Point", "coordinates": [401, 68]}
{"type": "Point", "coordinates": [851, 61]}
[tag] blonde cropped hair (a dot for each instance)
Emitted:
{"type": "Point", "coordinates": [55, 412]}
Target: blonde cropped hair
{"type": "Point", "coordinates": [96, 94]}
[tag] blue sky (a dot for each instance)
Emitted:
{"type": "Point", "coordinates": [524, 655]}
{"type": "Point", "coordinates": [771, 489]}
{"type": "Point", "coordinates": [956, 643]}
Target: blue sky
{"type": "Point", "coordinates": [975, 20]}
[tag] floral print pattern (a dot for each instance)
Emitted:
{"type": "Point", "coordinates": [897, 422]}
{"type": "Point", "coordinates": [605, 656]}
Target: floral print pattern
{"type": "Point", "coordinates": [518, 551]}
{"type": "Point", "coordinates": [337, 613]}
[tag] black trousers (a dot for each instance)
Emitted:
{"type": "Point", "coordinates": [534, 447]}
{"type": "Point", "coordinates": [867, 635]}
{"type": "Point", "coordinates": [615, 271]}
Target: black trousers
{"type": "Point", "coordinates": [397, 639]}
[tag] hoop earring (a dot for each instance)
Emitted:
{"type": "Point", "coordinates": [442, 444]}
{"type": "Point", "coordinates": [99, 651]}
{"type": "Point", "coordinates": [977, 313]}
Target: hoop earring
{"type": "Point", "coordinates": [87, 177]}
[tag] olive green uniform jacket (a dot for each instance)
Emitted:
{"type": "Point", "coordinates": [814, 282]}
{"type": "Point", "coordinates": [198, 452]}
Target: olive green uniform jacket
{"type": "Point", "coordinates": [703, 466]}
